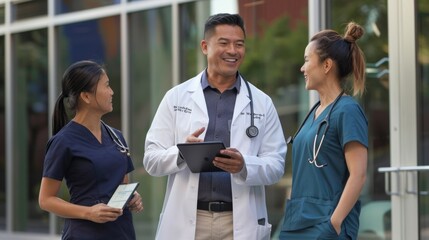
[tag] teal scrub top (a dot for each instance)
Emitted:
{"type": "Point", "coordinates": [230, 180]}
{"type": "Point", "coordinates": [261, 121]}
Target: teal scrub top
{"type": "Point", "coordinates": [316, 191]}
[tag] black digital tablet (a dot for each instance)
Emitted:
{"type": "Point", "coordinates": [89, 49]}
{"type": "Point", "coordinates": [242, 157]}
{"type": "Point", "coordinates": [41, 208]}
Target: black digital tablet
{"type": "Point", "coordinates": [199, 155]}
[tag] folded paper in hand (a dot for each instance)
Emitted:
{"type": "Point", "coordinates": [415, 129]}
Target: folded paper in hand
{"type": "Point", "coordinates": [122, 195]}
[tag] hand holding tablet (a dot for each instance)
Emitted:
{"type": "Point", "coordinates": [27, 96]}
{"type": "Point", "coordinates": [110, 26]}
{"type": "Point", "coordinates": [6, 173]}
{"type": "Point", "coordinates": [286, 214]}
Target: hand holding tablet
{"type": "Point", "coordinates": [199, 155]}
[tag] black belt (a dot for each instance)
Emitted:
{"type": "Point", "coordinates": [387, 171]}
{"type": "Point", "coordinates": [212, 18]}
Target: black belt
{"type": "Point", "coordinates": [215, 206]}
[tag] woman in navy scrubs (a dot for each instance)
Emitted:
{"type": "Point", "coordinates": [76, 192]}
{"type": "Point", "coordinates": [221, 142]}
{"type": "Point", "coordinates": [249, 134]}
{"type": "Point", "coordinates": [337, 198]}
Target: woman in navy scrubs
{"type": "Point", "coordinates": [84, 153]}
{"type": "Point", "coordinates": [330, 148]}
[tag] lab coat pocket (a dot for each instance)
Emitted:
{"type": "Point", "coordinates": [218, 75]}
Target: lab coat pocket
{"type": "Point", "coordinates": [263, 232]}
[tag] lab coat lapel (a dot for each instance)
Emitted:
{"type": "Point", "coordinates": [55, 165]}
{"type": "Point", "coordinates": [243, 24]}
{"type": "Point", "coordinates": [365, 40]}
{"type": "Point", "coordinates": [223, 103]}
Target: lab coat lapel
{"type": "Point", "coordinates": [198, 95]}
{"type": "Point", "coordinates": [242, 101]}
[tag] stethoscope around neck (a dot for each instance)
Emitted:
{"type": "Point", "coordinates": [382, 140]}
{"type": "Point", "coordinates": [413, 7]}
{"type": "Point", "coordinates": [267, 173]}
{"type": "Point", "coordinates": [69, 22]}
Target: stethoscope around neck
{"type": "Point", "coordinates": [121, 147]}
{"type": "Point", "coordinates": [251, 131]}
{"type": "Point", "coordinates": [324, 122]}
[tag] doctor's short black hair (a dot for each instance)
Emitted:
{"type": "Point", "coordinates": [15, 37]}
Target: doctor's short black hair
{"type": "Point", "coordinates": [222, 19]}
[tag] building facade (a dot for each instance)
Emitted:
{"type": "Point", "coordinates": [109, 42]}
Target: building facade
{"type": "Point", "coordinates": [148, 46]}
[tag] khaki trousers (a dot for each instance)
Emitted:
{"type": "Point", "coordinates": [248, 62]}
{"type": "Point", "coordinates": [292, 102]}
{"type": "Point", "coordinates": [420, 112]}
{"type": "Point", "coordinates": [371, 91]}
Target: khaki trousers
{"type": "Point", "coordinates": [214, 226]}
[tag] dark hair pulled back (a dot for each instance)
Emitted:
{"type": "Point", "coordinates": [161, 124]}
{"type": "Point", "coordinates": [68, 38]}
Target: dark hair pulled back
{"type": "Point", "coordinates": [345, 52]}
{"type": "Point", "coordinates": [82, 76]}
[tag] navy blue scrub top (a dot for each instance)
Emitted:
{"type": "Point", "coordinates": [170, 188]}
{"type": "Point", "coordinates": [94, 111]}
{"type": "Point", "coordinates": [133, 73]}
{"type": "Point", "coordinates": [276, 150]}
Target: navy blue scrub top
{"type": "Point", "coordinates": [316, 191]}
{"type": "Point", "coordinates": [92, 171]}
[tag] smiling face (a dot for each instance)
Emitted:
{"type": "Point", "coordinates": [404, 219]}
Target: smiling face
{"type": "Point", "coordinates": [313, 68]}
{"type": "Point", "coordinates": [225, 51]}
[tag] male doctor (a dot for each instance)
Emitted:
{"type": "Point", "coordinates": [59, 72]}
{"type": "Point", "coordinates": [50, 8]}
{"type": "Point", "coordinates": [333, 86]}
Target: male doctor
{"type": "Point", "coordinates": [217, 105]}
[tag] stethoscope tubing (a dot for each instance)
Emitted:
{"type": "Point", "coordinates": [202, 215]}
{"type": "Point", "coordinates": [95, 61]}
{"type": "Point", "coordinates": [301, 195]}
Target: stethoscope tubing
{"type": "Point", "coordinates": [316, 148]}
{"type": "Point", "coordinates": [252, 131]}
{"type": "Point", "coordinates": [121, 147]}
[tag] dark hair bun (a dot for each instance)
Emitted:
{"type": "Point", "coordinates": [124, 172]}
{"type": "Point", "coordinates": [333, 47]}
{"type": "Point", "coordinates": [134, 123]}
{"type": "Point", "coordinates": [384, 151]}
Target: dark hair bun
{"type": "Point", "coordinates": [353, 32]}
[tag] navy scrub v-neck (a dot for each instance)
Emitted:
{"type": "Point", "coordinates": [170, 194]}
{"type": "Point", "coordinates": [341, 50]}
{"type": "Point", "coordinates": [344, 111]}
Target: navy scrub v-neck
{"type": "Point", "coordinates": [92, 171]}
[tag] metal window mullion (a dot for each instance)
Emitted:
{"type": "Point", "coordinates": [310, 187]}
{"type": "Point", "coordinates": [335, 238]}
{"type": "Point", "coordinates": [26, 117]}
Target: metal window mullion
{"type": "Point", "coordinates": [52, 88]}
{"type": "Point", "coordinates": [316, 22]}
{"type": "Point", "coordinates": [125, 79]}
{"type": "Point", "coordinates": [77, 16]}
{"type": "Point", "coordinates": [9, 119]}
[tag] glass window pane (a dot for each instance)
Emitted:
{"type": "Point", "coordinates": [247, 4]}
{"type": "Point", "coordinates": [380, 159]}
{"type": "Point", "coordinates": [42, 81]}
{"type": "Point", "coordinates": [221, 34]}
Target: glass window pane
{"type": "Point", "coordinates": [422, 20]}
{"type": "Point", "coordinates": [423, 76]}
{"type": "Point", "coordinates": [97, 40]}
{"type": "Point", "coordinates": [192, 18]}
{"type": "Point", "coordinates": [28, 9]}
{"type": "Point", "coordinates": [150, 77]}
{"type": "Point", "coordinates": [372, 15]}
{"type": "Point", "coordinates": [2, 140]}
{"type": "Point", "coordinates": [277, 33]}
{"type": "Point", "coordinates": [30, 67]}
{"type": "Point", "coordinates": [2, 15]}
{"type": "Point", "coordinates": [66, 6]}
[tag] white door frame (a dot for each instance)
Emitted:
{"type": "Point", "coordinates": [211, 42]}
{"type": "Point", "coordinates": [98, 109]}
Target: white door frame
{"type": "Point", "coordinates": [316, 22]}
{"type": "Point", "coordinates": [403, 115]}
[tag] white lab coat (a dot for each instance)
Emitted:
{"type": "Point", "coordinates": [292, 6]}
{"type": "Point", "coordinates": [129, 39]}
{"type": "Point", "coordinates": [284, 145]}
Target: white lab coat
{"type": "Point", "coordinates": [181, 112]}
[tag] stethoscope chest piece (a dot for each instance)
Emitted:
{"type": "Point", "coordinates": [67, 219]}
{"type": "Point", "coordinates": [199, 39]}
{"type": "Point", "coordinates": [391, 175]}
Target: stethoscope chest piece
{"type": "Point", "coordinates": [252, 131]}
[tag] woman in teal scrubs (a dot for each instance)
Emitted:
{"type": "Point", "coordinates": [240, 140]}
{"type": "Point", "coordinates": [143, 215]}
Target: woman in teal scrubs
{"type": "Point", "coordinates": [330, 148]}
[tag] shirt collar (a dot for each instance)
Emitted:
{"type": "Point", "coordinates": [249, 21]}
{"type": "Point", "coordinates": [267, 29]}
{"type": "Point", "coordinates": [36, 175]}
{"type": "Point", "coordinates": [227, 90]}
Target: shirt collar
{"type": "Point", "coordinates": [205, 82]}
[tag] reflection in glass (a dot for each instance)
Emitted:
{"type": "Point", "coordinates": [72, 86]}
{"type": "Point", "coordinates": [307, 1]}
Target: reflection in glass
{"type": "Point", "coordinates": [97, 40]}
{"type": "Point", "coordinates": [422, 20]}
{"type": "Point", "coordinates": [30, 127]}
{"type": "Point", "coordinates": [29, 9]}
{"type": "Point", "coordinates": [66, 6]}
{"type": "Point", "coordinates": [372, 15]}
{"type": "Point", "coordinates": [2, 140]}
{"type": "Point", "coordinates": [277, 33]}
{"type": "Point", "coordinates": [192, 18]}
{"type": "Point", "coordinates": [2, 14]}
{"type": "Point", "coordinates": [150, 77]}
